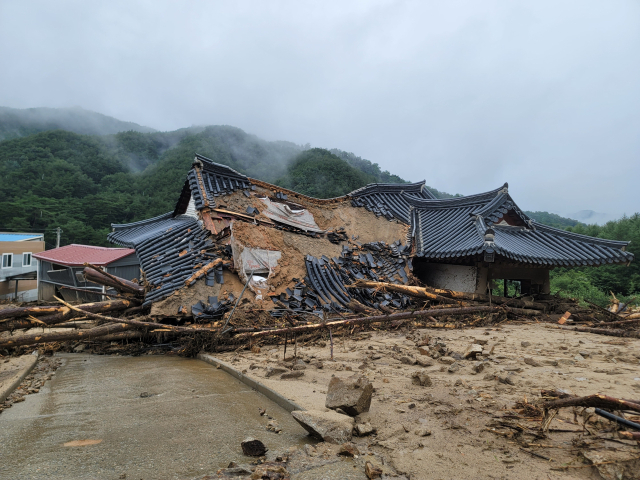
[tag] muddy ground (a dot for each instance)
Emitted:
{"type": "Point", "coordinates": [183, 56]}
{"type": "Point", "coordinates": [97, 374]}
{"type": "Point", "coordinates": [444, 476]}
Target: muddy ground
{"type": "Point", "coordinates": [466, 411]}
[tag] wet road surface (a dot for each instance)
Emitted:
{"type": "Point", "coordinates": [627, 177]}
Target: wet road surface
{"type": "Point", "coordinates": [189, 421]}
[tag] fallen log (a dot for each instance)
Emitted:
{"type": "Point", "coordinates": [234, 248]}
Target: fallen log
{"type": "Point", "coordinates": [96, 275]}
{"type": "Point", "coordinates": [412, 291]}
{"type": "Point", "coordinates": [629, 435]}
{"type": "Point", "coordinates": [624, 322]}
{"type": "Point", "coordinates": [597, 401]}
{"type": "Point", "coordinates": [484, 298]}
{"type": "Point", "coordinates": [203, 271]}
{"type": "Point", "coordinates": [61, 313]}
{"type": "Point", "coordinates": [135, 323]}
{"type": "Point", "coordinates": [603, 331]}
{"type": "Point", "coordinates": [64, 336]}
{"type": "Point", "coordinates": [365, 320]}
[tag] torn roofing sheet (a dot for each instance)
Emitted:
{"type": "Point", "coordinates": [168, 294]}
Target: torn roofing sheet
{"type": "Point", "coordinates": [296, 217]}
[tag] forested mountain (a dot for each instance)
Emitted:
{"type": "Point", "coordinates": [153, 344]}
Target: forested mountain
{"type": "Point", "coordinates": [16, 123]}
{"type": "Point", "coordinates": [84, 183]}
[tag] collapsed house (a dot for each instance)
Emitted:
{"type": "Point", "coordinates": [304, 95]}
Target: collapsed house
{"type": "Point", "coordinates": [231, 236]}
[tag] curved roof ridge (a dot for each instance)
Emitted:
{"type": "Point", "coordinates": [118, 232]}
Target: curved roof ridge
{"type": "Point", "coordinates": [120, 226]}
{"type": "Point", "coordinates": [580, 237]}
{"type": "Point", "coordinates": [387, 188]}
{"type": "Point", "coordinates": [207, 162]}
{"type": "Point", "coordinates": [455, 201]}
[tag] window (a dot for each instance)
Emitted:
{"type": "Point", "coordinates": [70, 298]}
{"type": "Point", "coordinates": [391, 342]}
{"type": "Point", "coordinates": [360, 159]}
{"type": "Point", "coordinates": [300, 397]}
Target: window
{"type": "Point", "coordinates": [7, 260]}
{"type": "Point", "coordinates": [26, 259]}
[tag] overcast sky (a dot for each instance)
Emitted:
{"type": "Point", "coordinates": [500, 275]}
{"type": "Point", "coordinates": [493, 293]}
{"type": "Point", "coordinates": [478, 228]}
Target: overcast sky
{"type": "Point", "coordinates": [465, 94]}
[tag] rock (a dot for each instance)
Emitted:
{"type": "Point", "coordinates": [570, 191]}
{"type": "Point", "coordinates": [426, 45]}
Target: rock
{"type": "Point", "coordinates": [353, 394]}
{"type": "Point", "coordinates": [348, 450]}
{"type": "Point", "coordinates": [585, 354]}
{"type": "Point", "coordinates": [506, 379]}
{"type": "Point", "coordinates": [447, 360]}
{"type": "Point", "coordinates": [423, 432]}
{"type": "Point", "coordinates": [255, 349]}
{"type": "Point", "coordinates": [421, 378]}
{"type": "Point", "coordinates": [273, 426]}
{"type": "Point", "coordinates": [364, 429]}
{"type": "Point", "coordinates": [253, 448]}
{"type": "Point", "coordinates": [232, 470]}
{"type": "Point", "coordinates": [525, 344]}
{"type": "Point", "coordinates": [329, 426]}
{"type": "Point", "coordinates": [407, 360]}
{"type": "Point", "coordinates": [310, 450]}
{"type": "Point", "coordinates": [551, 362]}
{"type": "Point", "coordinates": [290, 375]}
{"type": "Point", "coordinates": [425, 361]}
{"type": "Point", "coordinates": [270, 471]}
{"type": "Point", "coordinates": [423, 350]}
{"type": "Point", "coordinates": [531, 361]}
{"type": "Point", "coordinates": [80, 348]}
{"type": "Point", "coordinates": [480, 341]}
{"type": "Point", "coordinates": [478, 367]}
{"type": "Point", "coordinates": [272, 371]}
{"type": "Point", "coordinates": [578, 358]}
{"type": "Point", "coordinates": [372, 471]}
{"type": "Point", "coordinates": [473, 350]}
{"type": "Point", "coordinates": [299, 365]}
{"type": "Point", "coordinates": [454, 367]}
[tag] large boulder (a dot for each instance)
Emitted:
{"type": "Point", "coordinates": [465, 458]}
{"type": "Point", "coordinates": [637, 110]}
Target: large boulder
{"type": "Point", "coordinates": [329, 426]}
{"type": "Point", "coordinates": [352, 395]}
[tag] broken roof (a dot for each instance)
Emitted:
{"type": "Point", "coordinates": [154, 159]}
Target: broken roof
{"type": "Point", "coordinates": [75, 255]}
{"type": "Point", "coordinates": [492, 223]}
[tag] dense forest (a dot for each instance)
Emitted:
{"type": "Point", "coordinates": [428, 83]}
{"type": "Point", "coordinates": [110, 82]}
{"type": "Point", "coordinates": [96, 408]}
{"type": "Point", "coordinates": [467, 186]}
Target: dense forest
{"type": "Point", "coordinates": [76, 170]}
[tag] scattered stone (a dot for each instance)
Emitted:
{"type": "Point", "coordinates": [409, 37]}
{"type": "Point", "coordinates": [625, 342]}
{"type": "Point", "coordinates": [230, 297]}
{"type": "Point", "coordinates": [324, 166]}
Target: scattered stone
{"type": "Point", "coordinates": [531, 361]}
{"type": "Point", "coordinates": [372, 471]}
{"type": "Point", "coordinates": [253, 366]}
{"type": "Point", "coordinates": [271, 471]}
{"type": "Point", "coordinates": [506, 380]}
{"type": "Point", "coordinates": [364, 429]}
{"type": "Point", "coordinates": [310, 450]}
{"type": "Point", "coordinates": [454, 367]}
{"type": "Point", "coordinates": [80, 348]}
{"type": "Point", "coordinates": [481, 341]}
{"type": "Point", "coordinates": [290, 375]}
{"type": "Point", "coordinates": [423, 350]}
{"type": "Point", "coordinates": [423, 432]}
{"type": "Point", "coordinates": [407, 360]}
{"type": "Point", "coordinates": [353, 394]}
{"type": "Point", "coordinates": [273, 371]}
{"type": "Point", "coordinates": [525, 344]}
{"type": "Point", "coordinates": [232, 470]}
{"type": "Point", "coordinates": [421, 378]}
{"type": "Point", "coordinates": [447, 360]}
{"type": "Point", "coordinates": [578, 358]}
{"type": "Point", "coordinates": [473, 350]}
{"type": "Point", "coordinates": [348, 450]}
{"type": "Point", "coordinates": [253, 448]}
{"type": "Point", "coordinates": [329, 426]}
{"type": "Point", "coordinates": [425, 361]}
{"type": "Point", "coordinates": [478, 367]}
{"type": "Point", "coordinates": [273, 426]}
{"type": "Point", "coordinates": [585, 354]}
{"type": "Point", "coordinates": [551, 362]}
{"type": "Point", "coordinates": [299, 365]}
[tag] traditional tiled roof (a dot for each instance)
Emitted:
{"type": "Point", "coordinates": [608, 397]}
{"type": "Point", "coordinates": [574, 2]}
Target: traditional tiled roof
{"type": "Point", "coordinates": [75, 255]}
{"type": "Point", "coordinates": [130, 234]}
{"type": "Point", "coordinates": [491, 223]}
{"type": "Point", "coordinates": [388, 200]}
{"type": "Point", "coordinates": [207, 180]}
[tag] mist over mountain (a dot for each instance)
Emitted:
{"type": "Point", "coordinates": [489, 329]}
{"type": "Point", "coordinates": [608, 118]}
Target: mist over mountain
{"type": "Point", "coordinates": [591, 217]}
{"type": "Point", "coordinates": [16, 123]}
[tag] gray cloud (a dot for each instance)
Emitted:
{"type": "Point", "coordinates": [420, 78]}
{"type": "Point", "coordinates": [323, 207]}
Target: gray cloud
{"type": "Point", "coordinates": [466, 94]}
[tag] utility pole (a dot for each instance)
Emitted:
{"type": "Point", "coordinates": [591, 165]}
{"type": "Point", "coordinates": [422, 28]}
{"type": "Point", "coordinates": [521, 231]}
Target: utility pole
{"type": "Point", "coordinates": [58, 232]}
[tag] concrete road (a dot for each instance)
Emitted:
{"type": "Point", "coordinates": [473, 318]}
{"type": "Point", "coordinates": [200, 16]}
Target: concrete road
{"type": "Point", "coordinates": [149, 417]}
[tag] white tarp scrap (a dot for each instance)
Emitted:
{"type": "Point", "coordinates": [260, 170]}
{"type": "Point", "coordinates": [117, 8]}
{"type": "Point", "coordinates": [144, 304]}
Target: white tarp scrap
{"type": "Point", "coordinates": [256, 262]}
{"type": "Point", "coordinates": [283, 213]}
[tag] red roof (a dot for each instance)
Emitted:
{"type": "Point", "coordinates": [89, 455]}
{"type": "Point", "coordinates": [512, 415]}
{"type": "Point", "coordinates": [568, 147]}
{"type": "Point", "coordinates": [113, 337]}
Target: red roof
{"type": "Point", "coordinates": [76, 255]}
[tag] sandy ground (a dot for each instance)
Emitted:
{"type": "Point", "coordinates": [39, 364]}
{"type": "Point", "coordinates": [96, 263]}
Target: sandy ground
{"type": "Point", "coordinates": [463, 409]}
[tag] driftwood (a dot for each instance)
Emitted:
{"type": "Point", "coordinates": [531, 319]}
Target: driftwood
{"type": "Point", "coordinates": [135, 323]}
{"type": "Point", "coordinates": [629, 435]}
{"type": "Point", "coordinates": [59, 314]}
{"type": "Point", "coordinates": [603, 331]}
{"type": "Point", "coordinates": [449, 296]}
{"type": "Point", "coordinates": [365, 320]}
{"type": "Point", "coordinates": [418, 292]}
{"type": "Point", "coordinates": [96, 275]}
{"type": "Point", "coordinates": [65, 336]}
{"type": "Point", "coordinates": [203, 271]}
{"type": "Point", "coordinates": [625, 322]}
{"type": "Point", "coordinates": [597, 401]}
